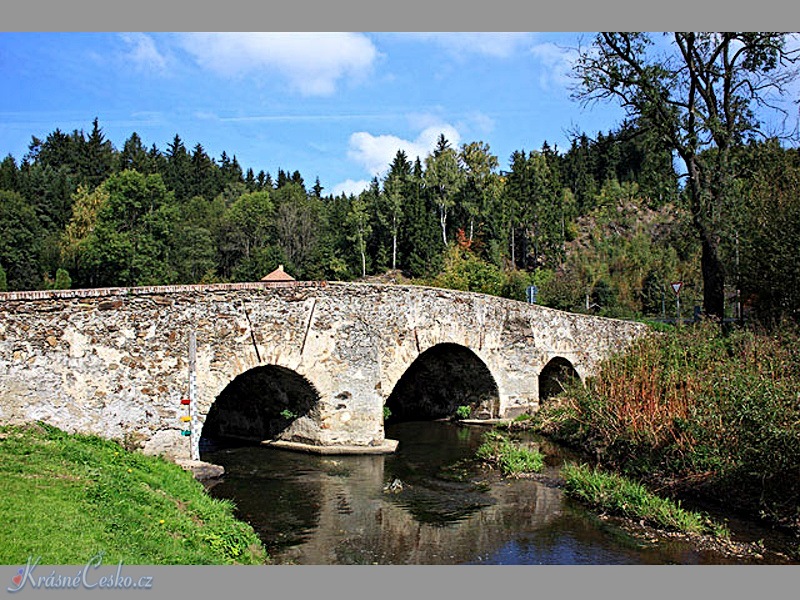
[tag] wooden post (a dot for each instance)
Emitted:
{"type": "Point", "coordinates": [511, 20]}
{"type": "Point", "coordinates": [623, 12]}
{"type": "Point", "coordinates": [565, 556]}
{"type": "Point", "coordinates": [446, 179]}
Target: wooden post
{"type": "Point", "coordinates": [194, 437]}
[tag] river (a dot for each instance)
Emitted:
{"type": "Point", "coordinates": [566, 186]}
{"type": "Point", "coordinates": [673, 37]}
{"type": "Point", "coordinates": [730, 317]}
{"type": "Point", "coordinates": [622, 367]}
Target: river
{"type": "Point", "coordinates": [427, 504]}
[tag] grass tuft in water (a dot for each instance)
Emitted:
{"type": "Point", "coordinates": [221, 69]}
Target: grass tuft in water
{"type": "Point", "coordinates": [618, 495]}
{"type": "Point", "coordinates": [509, 456]}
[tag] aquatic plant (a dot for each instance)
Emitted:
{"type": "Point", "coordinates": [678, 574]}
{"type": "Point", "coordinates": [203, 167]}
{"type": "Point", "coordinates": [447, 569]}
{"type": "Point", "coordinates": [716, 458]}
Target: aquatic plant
{"type": "Point", "coordinates": [509, 456]}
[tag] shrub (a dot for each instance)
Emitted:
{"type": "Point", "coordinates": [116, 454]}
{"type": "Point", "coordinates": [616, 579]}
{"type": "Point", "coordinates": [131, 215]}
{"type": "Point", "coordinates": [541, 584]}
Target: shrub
{"type": "Point", "coordinates": [718, 412]}
{"type": "Point", "coordinates": [463, 412]}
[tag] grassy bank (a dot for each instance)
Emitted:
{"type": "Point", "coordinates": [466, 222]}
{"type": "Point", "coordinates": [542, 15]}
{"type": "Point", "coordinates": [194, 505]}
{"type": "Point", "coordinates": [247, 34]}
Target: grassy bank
{"type": "Point", "coordinates": [66, 498]}
{"type": "Point", "coordinates": [614, 494]}
{"type": "Point", "coordinates": [696, 412]}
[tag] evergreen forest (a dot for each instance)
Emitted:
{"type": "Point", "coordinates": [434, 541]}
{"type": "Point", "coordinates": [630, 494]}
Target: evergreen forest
{"type": "Point", "coordinates": [601, 227]}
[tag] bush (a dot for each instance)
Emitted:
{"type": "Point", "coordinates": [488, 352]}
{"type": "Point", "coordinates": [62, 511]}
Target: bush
{"type": "Point", "coordinates": [463, 412]}
{"type": "Point", "coordinates": [463, 270]}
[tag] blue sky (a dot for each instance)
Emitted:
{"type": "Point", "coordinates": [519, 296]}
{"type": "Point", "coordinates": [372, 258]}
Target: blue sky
{"type": "Point", "coordinates": [331, 105]}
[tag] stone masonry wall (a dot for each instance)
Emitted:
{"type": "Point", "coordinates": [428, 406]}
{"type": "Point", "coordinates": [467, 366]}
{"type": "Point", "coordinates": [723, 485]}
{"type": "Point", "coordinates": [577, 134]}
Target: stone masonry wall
{"type": "Point", "coordinates": [115, 362]}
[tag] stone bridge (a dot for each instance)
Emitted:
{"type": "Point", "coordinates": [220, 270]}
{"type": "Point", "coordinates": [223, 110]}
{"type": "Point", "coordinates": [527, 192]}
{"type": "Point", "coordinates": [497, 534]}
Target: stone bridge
{"type": "Point", "coordinates": [312, 363]}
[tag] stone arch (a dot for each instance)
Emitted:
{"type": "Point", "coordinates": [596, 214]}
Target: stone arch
{"type": "Point", "coordinates": [555, 375]}
{"type": "Point", "coordinates": [439, 381]}
{"type": "Point", "coordinates": [259, 404]}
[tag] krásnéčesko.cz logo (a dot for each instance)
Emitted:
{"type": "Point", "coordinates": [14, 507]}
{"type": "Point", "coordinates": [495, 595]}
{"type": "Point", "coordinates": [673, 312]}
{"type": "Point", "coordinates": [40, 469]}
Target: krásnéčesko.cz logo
{"type": "Point", "coordinates": [87, 577]}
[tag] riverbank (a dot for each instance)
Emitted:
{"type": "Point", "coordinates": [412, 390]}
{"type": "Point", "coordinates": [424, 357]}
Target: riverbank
{"type": "Point", "coordinates": [626, 506]}
{"type": "Point", "coordinates": [696, 414]}
{"type": "Point", "coordinates": [65, 498]}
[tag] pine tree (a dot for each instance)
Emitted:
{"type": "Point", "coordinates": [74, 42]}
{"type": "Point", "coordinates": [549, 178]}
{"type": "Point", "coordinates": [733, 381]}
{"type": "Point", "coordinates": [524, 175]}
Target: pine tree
{"type": "Point", "coordinates": [8, 174]}
{"type": "Point", "coordinates": [134, 156]}
{"type": "Point", "coordinates": [204, 179]}
{"type": "Point", "coordinates": [178, 173]}
{"type": "Point", "coordinates": [98, 157]}
{"type": "Point", "coordinates": [317, 189]}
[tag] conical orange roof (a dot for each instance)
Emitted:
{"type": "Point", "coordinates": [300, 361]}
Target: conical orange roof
{"type": "Point", "coordinates": [278, 275]}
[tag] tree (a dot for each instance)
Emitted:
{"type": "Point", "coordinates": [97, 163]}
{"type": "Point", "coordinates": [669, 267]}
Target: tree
{"type": "Point", "coordinates": [480, 166]}
{"type": "Point", "coordinates": [444, 178]}
{"type": "Point", "coordinates": [74, 239]}
{"type": "Point", "coordinates": [394, 191]}
{"type": "Point", "coordinates": [579, 172]}
{"type": "Point", "coordinates": [463, 270]}
{"type": "Point", "coordinates": [134, 156]}
{"type": "Point", "coordinates": [131, 240]}
{"type": "Point", "coordinates": [298, 179]}
{"type": "Point", "coordinates": [418, 248]}
{"type": "Point", "coordinates": [97, 157]}
{"type": "Point", "coordinates": [335, 246]}
{"type": "Point", "coordinates": [177, 175]}
{"type": "Point", "coordinates": [230, 170]}
{"type": "Point", "coordinates": [204, 174]}
{"type": "Point", "coordinates": [699, 96]}
{"type": "Point", "coordinates": [297, 225]}
{"type": "Point", "coordinates": [49, 191]}
{"type": "Point", "coordinates": [768, 233]}
{"type": "Point", "coordinates": [359, 227]}
{"type": "Point", "coordinates": [316, 191]}
{"type": "Point", "coordinates": [63, 281]}
{"type": "Point", "coordinates": [535, 194]}
{"type": "Point", "coordinates": [250, 222]}
{"type": "Point", "coordinates": [8, 174]}
{"type": "Point", "coordinates": [20, 243]}
{"type": "Point", "coordinates": [195, 253]}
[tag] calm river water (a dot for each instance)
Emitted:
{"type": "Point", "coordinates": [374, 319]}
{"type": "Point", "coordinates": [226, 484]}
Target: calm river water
{"type": "Point", "coordinates": [336, 510]}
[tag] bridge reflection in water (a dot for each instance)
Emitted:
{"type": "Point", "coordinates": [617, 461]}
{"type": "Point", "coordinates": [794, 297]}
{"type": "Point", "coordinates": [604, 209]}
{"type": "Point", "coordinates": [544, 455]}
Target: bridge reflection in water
{"type": "Point", "coordinates": [325, 510]}
{"type": "Point", "coordinates": [337, 510]}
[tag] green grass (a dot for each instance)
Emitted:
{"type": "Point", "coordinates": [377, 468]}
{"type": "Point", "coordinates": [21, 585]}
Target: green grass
{"type": "Point", "coordinates": [66, 498]}
{"type": "Point", "coordinates": [618, 495]}
{"type": "Point", "coordinates": [509, 456]}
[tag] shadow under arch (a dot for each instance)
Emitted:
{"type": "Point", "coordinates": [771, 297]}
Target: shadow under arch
{"type": "Point", "coordinates": [258, 405]}
{"type": "Point", "coordinates": [441, 379]}
{"type": "Point", "coordinates": [555, 376]}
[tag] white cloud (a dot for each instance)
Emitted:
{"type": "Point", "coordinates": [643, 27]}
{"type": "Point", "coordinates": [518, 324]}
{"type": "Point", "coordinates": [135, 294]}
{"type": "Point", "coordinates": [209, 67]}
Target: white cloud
{"type": "Point", "coordinates": [556, 63]}
{"type": "Point", "coordinates": [350, 187]}
{"type": "Point", "coordinates": [376, 152]}
{"type": "Point", "coordinates": [481, 122]}
{"type": "Point", "coordinates": [142, 52]}
{"type": "Point", "coordinates": [312, 63]}
{"type": "Point", "coordinates": [492, 44]}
